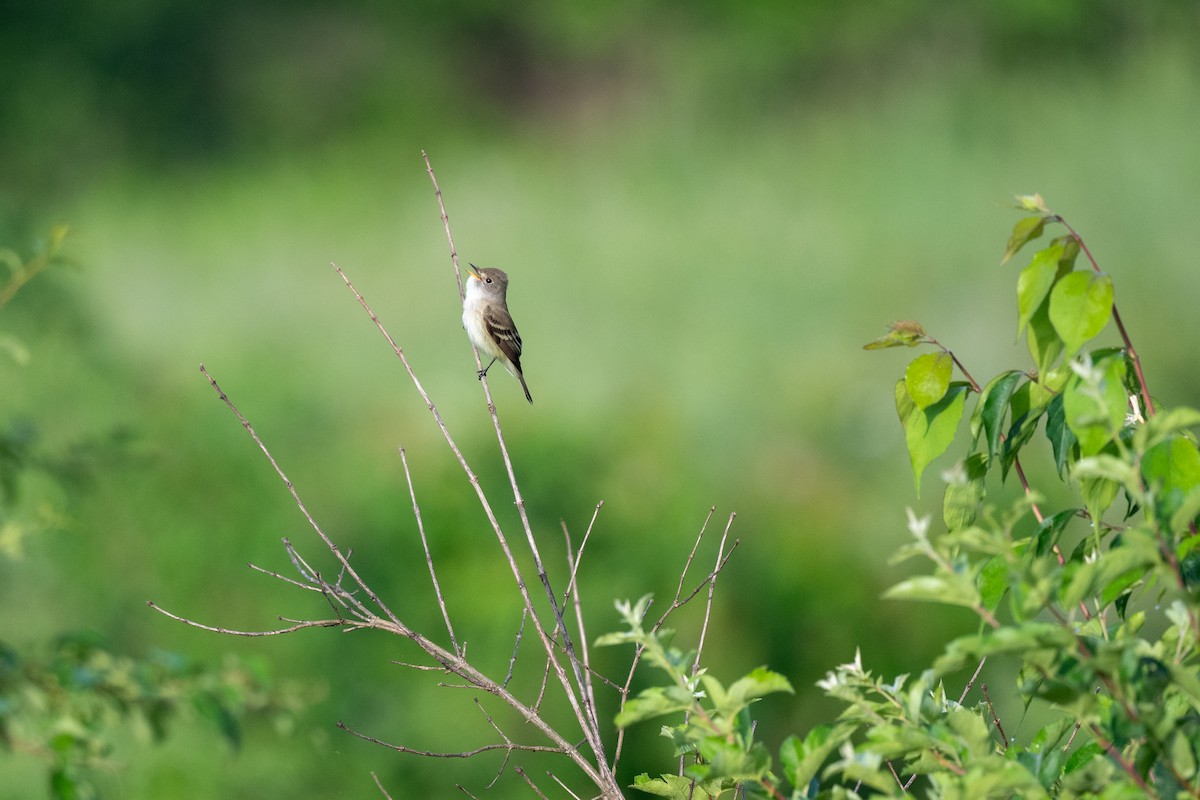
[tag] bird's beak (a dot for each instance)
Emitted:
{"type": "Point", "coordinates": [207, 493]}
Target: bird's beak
{"type": "Point", "coordinates": [475, 272]}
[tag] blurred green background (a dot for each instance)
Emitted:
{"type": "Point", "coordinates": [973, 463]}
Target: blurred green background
{"type": "Point", "coordinates": [705, 210]}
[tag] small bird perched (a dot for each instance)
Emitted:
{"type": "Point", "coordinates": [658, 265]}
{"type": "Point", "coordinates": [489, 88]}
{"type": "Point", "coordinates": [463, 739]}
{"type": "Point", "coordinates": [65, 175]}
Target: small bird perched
{"type": "Point", "coordinates": [489, 325]}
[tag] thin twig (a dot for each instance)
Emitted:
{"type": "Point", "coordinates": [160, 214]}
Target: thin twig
{"type": "Point", "coordinates": [712, 587]}
{"type": "Point", "coordinates": [298, 584]}
{"type": "Point", "coordinates": [333, 548]}
{"type": "Point", "coordinates": [437, 589]}
{"type": "Point", "coordinates": [512, 660]}
{"type": "Point", "coordinates": [380, 785]}
{"type": "Point", "coordinates": [573, 593]}
{"type": "Point", "coordinates": [562, 785]}
{"type": "Point", "coordinates": [995, 719]}
{"type": "Point", "coordinates": [971, 682]}
{"type": "Point", "coordinates": [316, 623]}
{"type": "Point", "coordinates": [532, 785]}
{"type": "Point", "coordinates": [487, 748]}
{"type": "Point", "coordinates": [446, 224]}
{"type": "Point", "coordinates": [496, 728]}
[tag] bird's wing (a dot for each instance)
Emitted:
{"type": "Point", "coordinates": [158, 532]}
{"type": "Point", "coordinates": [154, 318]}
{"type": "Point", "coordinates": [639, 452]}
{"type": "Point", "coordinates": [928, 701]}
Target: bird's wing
{"type": "Point", "coordinates": [502, 329]}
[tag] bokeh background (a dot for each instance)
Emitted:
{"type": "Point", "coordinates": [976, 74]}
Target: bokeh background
{"type": "Point", "coordinates": [705, 210]}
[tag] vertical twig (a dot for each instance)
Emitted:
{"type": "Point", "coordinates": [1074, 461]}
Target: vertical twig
{"type": "Point", "coordinates": [437, 589]}
{"type": "Point", "coordinates": [712, 587]}
{"type": "Point", "coordinates": [573, 594]}
{"type": "Point", "coordinates": [382, 790]}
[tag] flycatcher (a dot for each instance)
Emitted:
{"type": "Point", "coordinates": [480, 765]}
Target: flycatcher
{"type": "Point", "coordinates": [489, 325]}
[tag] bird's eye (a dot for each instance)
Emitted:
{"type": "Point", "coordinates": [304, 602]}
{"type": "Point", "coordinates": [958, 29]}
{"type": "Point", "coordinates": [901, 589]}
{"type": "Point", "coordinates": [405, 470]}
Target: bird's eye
{"type": "Point", "coordinates": [489, 280]}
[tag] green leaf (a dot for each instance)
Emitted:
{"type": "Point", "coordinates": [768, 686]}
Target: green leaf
{"type": "Point", "coordinates": [1031, 202]}
{"type": "Point", "coordinates": [1164, 424]}
{"type": "Point", "coordinates": [1095, 412]}
{"type": "Point", "coordinates": [1023, 232]}
{"type": "Point", "coordinates": [1026, 408]}
{"type": "Point", "coordinates": [1051, 530]}
{"type": "Point", "coordinates": [1098, 494]}
{"type": "Point", "coordinates": [954, 590]}
{"type": "Point", "coordinates": [676, 787]}
{"type": "Point", "coordinates": [993, 582]}
{"type": "Point", "coordinates": [1108, 573]}
{"type": "Point", "coordinates": [1045, 345]}
{"type": "Point", "coordinates": [64, 786]}
{"type": "Point", "coordinates": [211, 706]}
{"type": "Point", "coordinates": [654, 701]}
{"type": "Point", "coordinates": [1186, 512]}
{"type": "Point", "coordinates": [1030, 636]}
{"type": "Point", "coordinates": [1035, 281]}
{"type": "Point", "coordinates": [928, 377]}
{"type": "Point", "coordinates": [1062, 440]}
{"type": "Point", "coordinates": [721, 759]}
{"type": "Point", "coordinates": [905, 333]}
{"type": "Point", "coordinates": [802, 759]}
{"type": "Point", "coordinates": [964, 493]}
{"type": "Point", "coordinates": [1172, 469]}
{"type": "Point", "coordinates": [1080, 306]}
{"type": "Point", "coordinates": [1106, 466]}
{"type": "Point", "coordinates": [1082, 756]}
{"type": "Point", "coordinates": [929, 432]}
{"type": "Point", "coordinates": [992, 406]}
{"type": "Point", "coordinates": [760, 682]}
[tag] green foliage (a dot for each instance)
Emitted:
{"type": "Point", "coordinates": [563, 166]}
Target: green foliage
{"type": "Point", "coordinates": [62, 703]}
{"type": "Point", "coordinates": [716, 734]}
{"type": "Point", "coordinates": [1097, 609]}
{"type": "Point", "coordinates": [63, 707]}
{"type": "Point", "coordinates": [1093, 604]}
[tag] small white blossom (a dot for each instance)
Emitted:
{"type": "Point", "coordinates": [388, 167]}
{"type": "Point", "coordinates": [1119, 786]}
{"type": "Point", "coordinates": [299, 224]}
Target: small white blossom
{"type": "Point", "coordinates": [918, 526]}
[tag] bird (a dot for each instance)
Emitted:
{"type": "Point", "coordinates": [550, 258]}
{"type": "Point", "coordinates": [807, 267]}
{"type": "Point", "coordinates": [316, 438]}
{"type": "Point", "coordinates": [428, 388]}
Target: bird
{"type": "Point", "coordinates": [489, 326]}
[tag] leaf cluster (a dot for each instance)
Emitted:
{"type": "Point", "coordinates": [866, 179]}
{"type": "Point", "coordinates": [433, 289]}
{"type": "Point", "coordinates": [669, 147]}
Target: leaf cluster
{"type": "Point", "coordinates": [64, 706]}
{"type": "Point", "coordinates": [1094, 603]}
{"type": "Point", "coordinates": [714, 733]}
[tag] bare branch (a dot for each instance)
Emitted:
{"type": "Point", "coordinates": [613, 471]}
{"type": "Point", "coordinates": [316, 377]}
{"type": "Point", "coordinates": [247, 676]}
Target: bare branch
{"type": "Point", "coordinates": [487, 748]}
{"type": "Point", "coordinates": [321, 623]}
{"type": "Point", "coordinates": [333, 548]}
{"type": "Point", "coordinates": [299, 585]}
{"type": "Point", "coordinates": [419, 667]}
